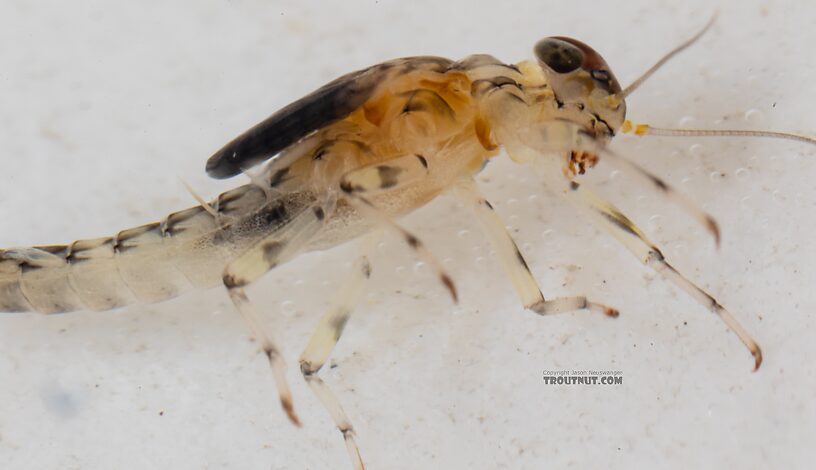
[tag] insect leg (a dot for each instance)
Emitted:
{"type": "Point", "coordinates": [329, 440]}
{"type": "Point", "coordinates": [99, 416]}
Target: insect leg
{"type": "Point", "coordinates": [392, 174]}
{"type": "Point", "coordinates": [321, 344]}
{"type": "Point", "coordinates": [251, 265]}
{"type": "Point", "coordinates": [670, 193]}
{"type": "Point", "coordinates": [367, 207]}
{"type": "Point", "coordinates": [513, 262]}
{"type": "Point", "coordinates": [624, 230]}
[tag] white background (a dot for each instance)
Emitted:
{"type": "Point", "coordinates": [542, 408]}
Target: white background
{"type": "Point", "coordinates": [103, 106]}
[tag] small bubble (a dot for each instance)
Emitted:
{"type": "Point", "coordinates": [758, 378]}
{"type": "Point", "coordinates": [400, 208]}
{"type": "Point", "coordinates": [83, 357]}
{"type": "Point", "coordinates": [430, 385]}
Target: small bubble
{"type": "Point", "coordinates": [801, 200]}
{"type": "Point", "coordinates": [399, 269]}
{"type": "Point", "coordinates": [614, 174]}
{"type": "Point", "coordinates": [742, 173]}
{"type": "Point", "coordinates": [696, 150]}
{"type": "Point", "coordinates": [511, 201]}
{"type": "Point", "coordinates": [287, 307]}
{"type": "Point", "coordinates": [755, 117]}
{"type": "Point", "coordinates": [680, 250]}
{"type": "Point", "coordinates": [547, 233]}
{"type": "Point", "coordinates": [716, 176]}
{"type": "Point", "coordinates": [752, 80]}
{"type": "Point", "coordinates": [418, 266]}
{"type": "Point", "coordinates": [778, 196]}
{"type": "Point", "coordinates": [655, 222]}
{"type": "Point", "coordinates": [686, 121]}
{"type": "Point", "coordinates": [480, 260]}
{"type": "Point", "coordinates": [463, 233]}
{"type": "Point", "coordinates": [532, 197]}
{"type": "Point", "coordinates": [299, 282]}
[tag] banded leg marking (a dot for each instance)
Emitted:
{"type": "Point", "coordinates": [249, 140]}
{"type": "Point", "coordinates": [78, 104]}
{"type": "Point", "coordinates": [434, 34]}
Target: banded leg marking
{"type": "Point", "coordinates": [254, 263]}
{"type": "Point", "coordinates": [365, 206]}
{"type": "Point", "coordinates": [705, 219]}
{"type": "Point", "coordinates": [392, 174]}
{"type": "Point", "coordinates": [513, 261]}
{"type": "Point", "coordinates": [624, 230]}
{"type": "Point", "coordinates": [321, 344]}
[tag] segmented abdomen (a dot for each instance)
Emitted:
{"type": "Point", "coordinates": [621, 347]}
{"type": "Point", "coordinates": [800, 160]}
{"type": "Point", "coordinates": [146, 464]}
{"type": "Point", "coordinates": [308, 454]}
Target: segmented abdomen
{"type": "Point", "coordinates": [148, 263]}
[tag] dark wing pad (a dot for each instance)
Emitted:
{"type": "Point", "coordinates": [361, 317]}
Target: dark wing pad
{"type": "Point", "coordinates": [328, 104]}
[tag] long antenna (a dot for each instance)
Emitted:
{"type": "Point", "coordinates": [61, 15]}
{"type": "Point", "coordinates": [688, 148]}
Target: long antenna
{"type": "Point", "coordinates": [649, 130]}
{"type": "Point", "coordinates": [634, 85]}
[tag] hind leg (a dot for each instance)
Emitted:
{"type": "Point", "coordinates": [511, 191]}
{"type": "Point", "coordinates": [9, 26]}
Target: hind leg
{"type": "Point", "coordinates": [254, 263]}
{"type": "Point", "coordinates": [323, 341]}
{"type": "Point", "coordinates": [357, 185]}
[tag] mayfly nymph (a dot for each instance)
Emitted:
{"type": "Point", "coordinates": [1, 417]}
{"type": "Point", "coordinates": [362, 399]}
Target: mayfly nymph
{"type": "Point", "coordinates": [349, 160]}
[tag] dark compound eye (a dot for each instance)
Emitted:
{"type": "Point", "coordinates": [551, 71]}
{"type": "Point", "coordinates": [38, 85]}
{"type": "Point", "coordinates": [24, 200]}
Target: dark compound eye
{"type": "Point", "coordinates": [558, 55]}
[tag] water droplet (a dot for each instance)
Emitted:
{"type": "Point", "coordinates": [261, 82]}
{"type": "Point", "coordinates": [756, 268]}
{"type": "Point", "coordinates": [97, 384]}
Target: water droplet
{"type": "Point", "coordinates": [463, 233]}
{"type": "Point", "coordinates": [680, 250]}
{"type": "Point", "coordinates": [696, 150]}
{"type": "Point", "coordinates": [418, 266]}
{"type": "Point", "coordinates": [480, 260]}
{"type": "Point", "coordinates": [655, 222]}
{"type": "Point", "coordinates": [716, 176]}
{"type": "Point", "coordinates": [547, 233]}
{"type": "Point", "coordinates": [686, 121]}
{"type": "Point", "coordinates": [755, 117]}
{"type": "Point", "coordinates": [287, 307]}
{"type": "Point", "coordinates": [532, 197]}
{"type": "Point", "coordinates": [614, 174]}
{"type": "Point", "coordinates": [742, 173]}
